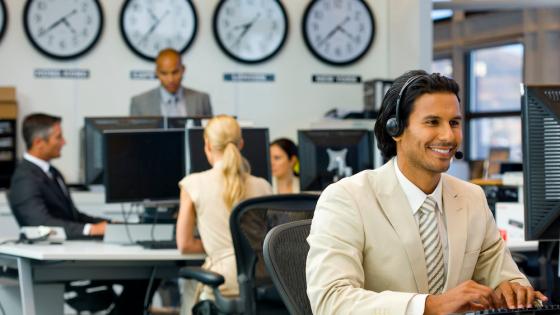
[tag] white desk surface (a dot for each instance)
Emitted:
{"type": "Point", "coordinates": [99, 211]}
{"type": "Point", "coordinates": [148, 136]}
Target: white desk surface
{"type": "Point", "coordinates": [522, 246]}
{"type": "Point", "coordinates": [93, 250]}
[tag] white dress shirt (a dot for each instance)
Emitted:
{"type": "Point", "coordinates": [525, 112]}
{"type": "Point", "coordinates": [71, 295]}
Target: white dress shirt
{"type": "Point", "coordinates": [173, 105]}
{"type": "Point", "coordinates": [416, 198]}
{"type": "Point", "coordinates": [45, 166]}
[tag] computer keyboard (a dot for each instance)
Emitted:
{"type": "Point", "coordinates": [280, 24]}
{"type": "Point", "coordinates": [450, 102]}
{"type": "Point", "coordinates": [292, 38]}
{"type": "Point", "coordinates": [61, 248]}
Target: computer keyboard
{"type": "Point", "coordinates": [544, 310]}
{"type": "Point", "coordinates": [158, 244]}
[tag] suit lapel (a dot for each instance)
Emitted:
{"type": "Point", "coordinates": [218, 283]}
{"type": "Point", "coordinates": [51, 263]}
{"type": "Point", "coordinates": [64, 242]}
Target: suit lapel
{"type": "Point", "coordinates": [44, 178]}
{"type": "Point", "coordinates": [190, 101]}
{"type": "Point", "coordinates": [153, 106]}
{"type": "Point", "coordinates": [456, 218]}
{"type": "Point", "coordinates": [64, 202]}
{"type": "Point", "coordinates": [397, 209]}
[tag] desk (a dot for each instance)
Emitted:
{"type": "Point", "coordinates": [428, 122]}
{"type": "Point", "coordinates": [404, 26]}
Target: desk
{"type": "Point", "coordinates": [522, 246]}
{"type": "Point", "coordinates": [42, 269]}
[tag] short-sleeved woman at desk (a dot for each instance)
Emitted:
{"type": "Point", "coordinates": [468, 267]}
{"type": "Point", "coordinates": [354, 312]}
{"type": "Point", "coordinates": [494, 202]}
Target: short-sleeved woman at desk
{"type": "Point", "coordinates": [207, 198]}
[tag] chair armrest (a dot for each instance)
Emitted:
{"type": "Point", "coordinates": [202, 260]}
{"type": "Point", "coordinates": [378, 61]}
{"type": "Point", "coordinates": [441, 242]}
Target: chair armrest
{"type": "Point", "coordinates": [199, 274]}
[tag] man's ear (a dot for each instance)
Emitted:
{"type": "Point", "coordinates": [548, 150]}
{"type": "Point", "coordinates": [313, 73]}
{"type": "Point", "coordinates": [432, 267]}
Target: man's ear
{"type": "Point", "coordinates": [37, 142]}
{"type": "Point", "coordinates": [241, 144]}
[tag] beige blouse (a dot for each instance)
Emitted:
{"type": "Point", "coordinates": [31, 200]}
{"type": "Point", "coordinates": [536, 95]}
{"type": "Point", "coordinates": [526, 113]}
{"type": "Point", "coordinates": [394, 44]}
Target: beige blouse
{"type": "Point", "coordinates": [212, 215]}
{"type": "Point", "coordinates": [295, 185]}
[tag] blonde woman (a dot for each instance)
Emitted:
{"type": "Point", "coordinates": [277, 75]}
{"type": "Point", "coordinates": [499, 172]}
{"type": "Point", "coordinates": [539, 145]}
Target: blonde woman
{"type": "Point", "coordinates": [207, 198]}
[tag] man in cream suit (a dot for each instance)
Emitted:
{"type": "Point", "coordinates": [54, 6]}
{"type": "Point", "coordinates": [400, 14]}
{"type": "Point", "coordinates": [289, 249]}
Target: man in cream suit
{"type": "Point", "coordinates": [407, 238]}
{"type": "Point", "coordinates": [171, 99]}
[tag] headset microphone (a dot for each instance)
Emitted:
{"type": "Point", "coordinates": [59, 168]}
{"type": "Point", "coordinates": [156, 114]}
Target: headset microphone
{"type": "Point", "coordinates": [458, 155]}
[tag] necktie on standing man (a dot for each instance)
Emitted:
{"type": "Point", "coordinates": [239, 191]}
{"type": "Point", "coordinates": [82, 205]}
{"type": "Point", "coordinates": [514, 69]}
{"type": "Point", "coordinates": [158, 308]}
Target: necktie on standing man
{"type": "Point", "coordinates": [175, 107]}
{"type": "Point", "coordinates": [433, 251]}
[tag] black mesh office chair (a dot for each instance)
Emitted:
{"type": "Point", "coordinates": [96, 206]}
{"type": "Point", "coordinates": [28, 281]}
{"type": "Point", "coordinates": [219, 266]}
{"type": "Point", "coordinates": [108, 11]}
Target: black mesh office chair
{"type": "Point", "coordinates": [249, 222]}
{"type": "Point", "coordinates": [285, 253]}
{"type": "Point", "coordinates": [89, 296]}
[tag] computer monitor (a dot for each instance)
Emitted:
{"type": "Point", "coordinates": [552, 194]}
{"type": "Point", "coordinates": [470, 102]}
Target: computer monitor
{"type": "Point", "coordinates": [328, 155]}
{"type": "Point", "coordinates": [182, 122]}
{"type": "Point", "coordinates": [93, 150]}
{"type": "Point", "coordinates": [255, 150]}
{"type": "Point", "coordinates": [94, 127]}
{"type": "Point", "coordinates": [540, 116]}
{"type": "Point", "coordinates": [143, 165]}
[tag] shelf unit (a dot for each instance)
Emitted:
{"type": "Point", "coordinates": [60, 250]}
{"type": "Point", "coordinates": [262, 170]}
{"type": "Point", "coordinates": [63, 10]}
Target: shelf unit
{"type": "Point", "coordinates": [7, 150]}
{"type": "Point", "coordinates": [8, 134]}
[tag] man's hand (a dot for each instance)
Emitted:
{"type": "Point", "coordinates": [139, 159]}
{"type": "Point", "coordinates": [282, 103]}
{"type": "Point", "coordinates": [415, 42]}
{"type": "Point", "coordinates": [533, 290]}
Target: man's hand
{"type": "Point", "coordinates": [468, 296]}
{"type": "Point", "coordinates": [514, 295]}
{"type": "Point", "coordinates": [98, 229]}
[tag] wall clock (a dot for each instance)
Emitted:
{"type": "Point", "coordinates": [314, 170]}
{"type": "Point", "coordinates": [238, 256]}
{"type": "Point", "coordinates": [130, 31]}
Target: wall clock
{"type": "Point", "coordinates": [63, 29]}
{"type": "Point", "coordinates": [3, 18]}
{"type": "Point", "coordinates": [338, 32]}
{"type": "Point", "coordinates": [250, 31]}
{"type": "Point", "coordinates": [149, 26]}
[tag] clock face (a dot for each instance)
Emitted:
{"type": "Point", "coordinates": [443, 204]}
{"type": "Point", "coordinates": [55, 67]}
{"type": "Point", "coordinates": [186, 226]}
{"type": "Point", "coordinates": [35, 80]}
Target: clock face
{"type": "Point", "coordinates": [250, 31]}
{"type": "Point", "coordinates": [3, 18]}
{"type": "Point", "coordinates": [338, 32]}
{"type": "Point", "coordinates": [149, 26]}
{"type": "Point", "coordinates": [63, 29]}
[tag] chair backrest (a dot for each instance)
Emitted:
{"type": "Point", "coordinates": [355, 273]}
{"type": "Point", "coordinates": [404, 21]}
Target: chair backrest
{"type": "Point", "coordinates": [285, 253]}
{"type": "Point", "coordinates": [250, 221]}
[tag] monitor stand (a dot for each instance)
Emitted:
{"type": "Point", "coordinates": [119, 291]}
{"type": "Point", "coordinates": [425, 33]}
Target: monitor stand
{"type": "Point", "coordinates": [159, 213]}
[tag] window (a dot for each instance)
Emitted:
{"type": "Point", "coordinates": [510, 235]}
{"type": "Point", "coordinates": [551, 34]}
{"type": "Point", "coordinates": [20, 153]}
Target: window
{"type": "Point", "coordinates": [443, 66]}
{"type": "Point", "coordinates": [494, 92]}
{"type": "Point", "coordinates": [442, 14]}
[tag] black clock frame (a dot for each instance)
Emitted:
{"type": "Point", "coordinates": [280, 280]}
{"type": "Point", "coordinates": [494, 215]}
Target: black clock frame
{"type": "Point", "coordinates": [144, 56]}
{"type": "Point", "coordinates": [328, 61]}
{"type": "Point", "coordinates": [5, 22]}
{"type": "Point", "coordinates": [66, 57]}
{"type": "Point", "coordinates": [246, 61]}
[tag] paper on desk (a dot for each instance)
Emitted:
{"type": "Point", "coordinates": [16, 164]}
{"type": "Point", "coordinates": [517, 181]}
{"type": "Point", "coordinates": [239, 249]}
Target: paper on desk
{"type": "Point", "coordinates": [510, 218]}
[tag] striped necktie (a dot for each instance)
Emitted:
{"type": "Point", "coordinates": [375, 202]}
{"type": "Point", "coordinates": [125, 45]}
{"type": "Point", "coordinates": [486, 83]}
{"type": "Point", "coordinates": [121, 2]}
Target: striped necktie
{"type": "Point", "coordinates": [433, 252]}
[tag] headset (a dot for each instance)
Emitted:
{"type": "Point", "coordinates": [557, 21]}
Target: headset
{"type": "Point", "coordinates": [393, 126]}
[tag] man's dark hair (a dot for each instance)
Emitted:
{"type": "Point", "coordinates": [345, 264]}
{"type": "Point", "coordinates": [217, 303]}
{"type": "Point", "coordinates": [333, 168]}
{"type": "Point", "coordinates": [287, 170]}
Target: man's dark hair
{"type": "Point", "coordinates": [38, 125]}
{"type": "Point", "coordinates": [425, 83]}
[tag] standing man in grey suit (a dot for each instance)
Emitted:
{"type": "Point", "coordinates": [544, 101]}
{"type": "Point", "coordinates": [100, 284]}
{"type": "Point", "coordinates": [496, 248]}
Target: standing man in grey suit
{"type": "Point", "coordinates": [170, 99]}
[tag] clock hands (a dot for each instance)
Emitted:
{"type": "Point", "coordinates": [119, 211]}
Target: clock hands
{"type": "Point", "coordinates": [345, 32]}
{"type": "Point", "coordinates": [69, 26]}
{"type": "Point", "coordinates": [153, 27]}
{"type": "Point", "coordinates": [337, 28]}
{"type": "Point", "coordinates": [57, 22]}
{"type": "Point", "coordinates": [245, 28]}
{"type": "Point", "coordinates": [152, 14]}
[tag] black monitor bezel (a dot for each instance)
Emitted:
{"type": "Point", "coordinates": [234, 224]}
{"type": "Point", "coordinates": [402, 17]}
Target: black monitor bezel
{"type": "Point", "coordinates": [91, 126]}
{"type": "Point", "coordinates": [302, 159]}
{"type": "Point", "coordinates": [109, 198]}
{"type": "Point", "coordinates": [550, 230]}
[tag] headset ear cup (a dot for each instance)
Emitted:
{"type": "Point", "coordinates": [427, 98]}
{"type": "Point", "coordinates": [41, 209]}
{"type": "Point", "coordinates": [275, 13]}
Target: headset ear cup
{"type": "Point", "coordinates": [392, 127]}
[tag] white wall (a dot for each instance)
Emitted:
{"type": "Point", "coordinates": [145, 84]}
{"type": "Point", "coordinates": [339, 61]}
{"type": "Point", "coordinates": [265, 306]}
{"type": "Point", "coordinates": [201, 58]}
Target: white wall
{"type": "Point", "coordinates": [403, 41]}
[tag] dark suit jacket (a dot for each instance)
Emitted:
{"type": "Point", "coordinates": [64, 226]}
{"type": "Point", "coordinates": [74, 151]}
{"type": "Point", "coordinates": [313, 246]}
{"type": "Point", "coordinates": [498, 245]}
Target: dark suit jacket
{"type": "Point", "coordinates": [36, 199]}
{"type": "Point", "coordinates": [149, 103]}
